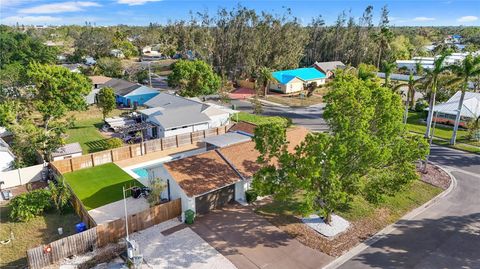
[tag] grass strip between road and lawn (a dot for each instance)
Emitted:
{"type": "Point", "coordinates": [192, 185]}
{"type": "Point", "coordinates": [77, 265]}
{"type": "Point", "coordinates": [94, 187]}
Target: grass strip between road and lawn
{"type": "Point", "coordinates": [260, 119]}
{"type": "Point", "coordinates": [100, 185]}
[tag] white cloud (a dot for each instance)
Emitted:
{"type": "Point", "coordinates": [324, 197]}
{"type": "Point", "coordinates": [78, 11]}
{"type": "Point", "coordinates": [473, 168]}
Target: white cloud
{"type": "Point", "coordinates": [467, 19]}
{"type": "Point", "coordinates": [135, 2]}
{"type": "Point", "coordinates": [30, 20]}
{"type": "Point", "coordinates": [423, 19]}
{"type": "Point", "coordinates": [59, 7]}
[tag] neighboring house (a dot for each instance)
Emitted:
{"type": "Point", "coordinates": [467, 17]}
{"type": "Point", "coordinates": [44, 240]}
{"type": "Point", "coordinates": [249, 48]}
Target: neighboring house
{"type": "Point", "coordinates": [447, 112]}
{"type": "Point", "coordinates": [290, 81]}
{"type": "Point", "coordinates": [130, 94]}
{"type": "Point", "coordinates": [173, 115]}
{"type": "Point", "coordinates": [67, 151]}
{"type": "Point", "coordinates": [75, 68]}
{"type": "Point", "coordinates": [6, 156]}
{"type": "Point", "coordinates": [328, 68]}
{"type": "Point", "coordinates": [98, 82]}
{"type": "Point", "coordinates": [117, 53]}
{"type": "Point", "coordinates": [90, 61]}
{"type": "Point", "coordinates": [212, 179]}
{"type": "Point", "coordinates": [428, 62]}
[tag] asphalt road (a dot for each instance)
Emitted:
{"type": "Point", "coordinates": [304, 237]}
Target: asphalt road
{"type": "Point", "coordinates": [309, 117]}
{"type": "Point", "coordinates": [446, 235]}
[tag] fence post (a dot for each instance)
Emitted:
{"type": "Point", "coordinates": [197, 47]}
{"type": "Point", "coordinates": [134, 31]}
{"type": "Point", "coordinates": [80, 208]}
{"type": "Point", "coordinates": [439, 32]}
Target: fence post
{"type": "Point", "coordinates": [161, 144]}
{"type": "Point", "coordinates": [191, 138]}
{"type": "Point", "coordinates": [144, 148]}
{"type": "Point", "coordinates": [111, 155]}
{"type": "Point", "coordinates": [93, 160]}
{"type": "Point", "coordinates": [71, 165]}
{"type": "Point", "coordinates": [176, 140]}
{"type": "Point", "coordinates": [204, 135]}
{"type": "Point", "coordinates": [217, 131]}
{"type": "Point", "coordinates": [130, 148]}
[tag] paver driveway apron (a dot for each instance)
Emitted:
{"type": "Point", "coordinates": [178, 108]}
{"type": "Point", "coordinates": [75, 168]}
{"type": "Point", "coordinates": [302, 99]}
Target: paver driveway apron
{"type": "Point", "coordinates": [249, 241]}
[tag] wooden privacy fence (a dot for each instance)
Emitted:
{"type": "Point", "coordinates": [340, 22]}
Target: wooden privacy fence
{"type": "Point", "coordinates": [101, 235]}
{"type": "Point", "coordinates": [131, 151]}
{"type": "Point", "coordinates": [112, 231]}
{"type": "Point", "coordinates": [80, 209]}
{"type": "Point", "coordinates": [65, 247]}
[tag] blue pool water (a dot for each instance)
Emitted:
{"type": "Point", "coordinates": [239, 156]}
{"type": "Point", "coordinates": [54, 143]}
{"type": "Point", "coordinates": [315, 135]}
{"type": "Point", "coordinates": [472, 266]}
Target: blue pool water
{"type": "Point", "coordinates": [141, 172]}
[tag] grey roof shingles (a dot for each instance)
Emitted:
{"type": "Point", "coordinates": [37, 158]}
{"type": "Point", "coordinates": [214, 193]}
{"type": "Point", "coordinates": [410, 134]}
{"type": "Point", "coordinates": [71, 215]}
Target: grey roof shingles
{"type": "Point", "coordinates": [121, 86]}
{"type": "Point", "coordinates": [328, 66]}
{"type": "Point", "coordinates": [67, 150]}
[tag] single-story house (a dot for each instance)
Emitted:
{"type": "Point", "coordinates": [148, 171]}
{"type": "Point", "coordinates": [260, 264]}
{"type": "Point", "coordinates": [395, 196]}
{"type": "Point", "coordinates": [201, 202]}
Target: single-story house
{"type": "Point", "coordinates": [174, 115]}
{"type": "Point", "coordinates": [402, 78]}
{"type": "Point", "coordinates": [6, 156]}
{"type": "Point", "coordinates": [328, 68]}
{"type": "Point", "coordinates": [128, 93]}
{"type": "Point", "coordinates": [117, 53]}
{"type": "Point", "coordinates": [67, 151]}
{"type": "Point", "coordinates": [447, 112]}
{"type": "Point", "coordinates": [214, 178]}
{"type": "Point", "coordinates": [289, 81]}
{"type": "Point", "coordinates": [97, 82]}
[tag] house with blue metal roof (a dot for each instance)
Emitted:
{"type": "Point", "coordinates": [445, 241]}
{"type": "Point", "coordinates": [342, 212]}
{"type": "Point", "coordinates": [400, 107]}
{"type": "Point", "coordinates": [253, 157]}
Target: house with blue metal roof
{"type": "Point", "coordinates": [294, 80]}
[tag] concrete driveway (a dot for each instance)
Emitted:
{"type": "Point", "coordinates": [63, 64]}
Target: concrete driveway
{"type": "Point", "coordinates": [249, 241]}
{"type": "Point", "coordinates": [446, 235]}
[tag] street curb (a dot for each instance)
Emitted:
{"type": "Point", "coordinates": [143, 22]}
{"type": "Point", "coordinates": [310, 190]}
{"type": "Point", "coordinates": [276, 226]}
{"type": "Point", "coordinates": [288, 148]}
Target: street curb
{"type": "Point", "coordinates": [269, 103]}
{"type": "Point", "coordinates": [390, 228]}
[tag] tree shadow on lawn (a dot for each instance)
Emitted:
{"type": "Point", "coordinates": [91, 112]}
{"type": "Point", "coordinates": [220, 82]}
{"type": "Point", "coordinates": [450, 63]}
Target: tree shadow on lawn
{"type": "Point", "coordinates": [97, 145]}
{"type": "Point", "coordinates": [448, 242]}
{"type": "Point", "coordinates": [109, 194]}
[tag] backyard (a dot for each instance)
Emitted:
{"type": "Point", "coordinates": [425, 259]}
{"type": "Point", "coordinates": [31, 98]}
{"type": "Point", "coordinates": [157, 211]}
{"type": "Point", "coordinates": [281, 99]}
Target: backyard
{"type": "Point", "coordinates": [366, 218]}
{"type": "Point", "coordinates": [99, 185]}
{"type": "Point", "coordinates": [442, 134]}
{"type": "Point", "coordinates": [86, 130]}
{"type": "Point", "coordinates": [40, 230]}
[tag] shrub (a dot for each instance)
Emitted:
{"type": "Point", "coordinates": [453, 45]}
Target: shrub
{"type": "Point", "coordinates": [251, 196]}
{"type": "Point", "coordinates": [60, 195]}
{"type": "Point", "coordinates": [29, 205]}
{"type": "Point", "coordinates": [421, 105]}
{"type": "Point", "coordinates": [114, 143]}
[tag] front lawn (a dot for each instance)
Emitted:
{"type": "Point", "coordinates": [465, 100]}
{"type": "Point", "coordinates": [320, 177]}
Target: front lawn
{"type": "Point", "coordinates": [40, 230]}
{"type": "Point", "coordinates": [366, 219]}
{"type": "Point", "coordinates": [259, 119]}
{"type": "Point", "coordinates": [295, 100]}
{"type": "Point", "coordinates": [99, 185]}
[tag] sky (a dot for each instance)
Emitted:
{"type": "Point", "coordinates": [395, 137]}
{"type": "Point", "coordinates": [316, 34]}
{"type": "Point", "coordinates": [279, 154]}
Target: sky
{"type": "Point", "coordinates": [142, 12]}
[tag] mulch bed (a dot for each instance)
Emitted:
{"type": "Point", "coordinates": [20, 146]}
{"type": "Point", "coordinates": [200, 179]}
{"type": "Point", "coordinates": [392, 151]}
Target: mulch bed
{"type": "Point", "coordinates": [436, 177]}
{"type": "Point", "coordinates": [359, 230]}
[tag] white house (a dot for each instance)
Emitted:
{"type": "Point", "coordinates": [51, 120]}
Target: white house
{"type": "Point", "coordinates": [117, 53]}
{"type": "Point", "coordinates": [6, 156]}
{"type": "Point", "coordinates": [290, 81]}
{"type": "Point", "coordinates": [174, 115]}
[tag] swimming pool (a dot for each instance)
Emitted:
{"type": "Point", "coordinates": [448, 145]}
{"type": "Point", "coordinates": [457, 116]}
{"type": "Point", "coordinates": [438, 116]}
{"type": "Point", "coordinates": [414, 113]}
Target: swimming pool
{"type": "Point", "coordinates": [141, 172]}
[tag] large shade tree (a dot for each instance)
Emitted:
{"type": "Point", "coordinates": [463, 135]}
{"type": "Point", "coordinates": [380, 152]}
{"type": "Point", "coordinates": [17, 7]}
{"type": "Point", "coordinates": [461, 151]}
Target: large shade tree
{"type": "Point", "coordinates": [368, 151]}
{"type": "Point", "coordinates": [194, 78]}
{"type": "Point", "coordinates": [470, 67]}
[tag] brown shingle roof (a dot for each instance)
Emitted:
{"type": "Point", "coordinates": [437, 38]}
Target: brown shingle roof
{"type": "Point", "coordinates": [202, 173]}
{"type": "Point", "coordinates": [244, 156]}
{"type": "Point", "coordinates": [99, 79]}
{"type": "Point", "coordinates": [244, 126]}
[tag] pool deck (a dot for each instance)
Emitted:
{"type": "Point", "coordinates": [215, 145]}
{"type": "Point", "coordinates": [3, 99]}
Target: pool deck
{"type": "Point", "coordinates": [155, 156]}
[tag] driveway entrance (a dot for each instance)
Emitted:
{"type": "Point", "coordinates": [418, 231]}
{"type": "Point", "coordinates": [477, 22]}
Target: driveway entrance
{"type": "Point", "coordinates": [249, 241]}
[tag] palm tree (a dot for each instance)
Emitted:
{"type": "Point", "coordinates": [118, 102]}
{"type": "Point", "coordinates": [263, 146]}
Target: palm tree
{"type": "Point", "coordinates": [470, 67]}
{"type": "Point", "coordinates": [264, 77]}
{"type": "Point", "coordinates": [410, 93]}
{"type": "Point", "coordinates": [387, 68]}
{"type": "Point", "coordinates": [431, 81]}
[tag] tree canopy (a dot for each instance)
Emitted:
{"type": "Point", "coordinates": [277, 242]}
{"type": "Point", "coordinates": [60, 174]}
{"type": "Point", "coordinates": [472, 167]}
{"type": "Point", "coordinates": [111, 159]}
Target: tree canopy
{"type": "Point", "coordinates": [368, 151]}
{"type": "Point", "coordinates": [194, 78]}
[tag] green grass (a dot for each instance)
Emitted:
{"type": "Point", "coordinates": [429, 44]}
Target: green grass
{"type": "Point", "coordinates": [99, 185]}
{"type": "Point", "coordinates": [86, 133]}
{"type": "Point", "coordinates": [396, 206]}
{"type": "Point", "coordinates": [259, 119]}
{"type": "Point", "coordinates": [40, 230]}
{"type": "Point", "coordinates": [86, 129]}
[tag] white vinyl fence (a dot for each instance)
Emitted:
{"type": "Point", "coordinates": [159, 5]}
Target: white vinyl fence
{"type": "Point", "coordinates": [21, 176]}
